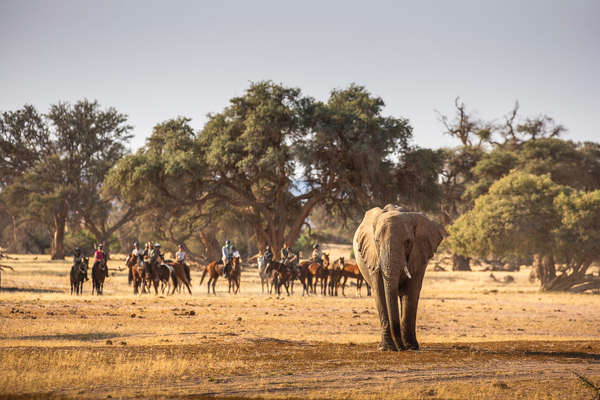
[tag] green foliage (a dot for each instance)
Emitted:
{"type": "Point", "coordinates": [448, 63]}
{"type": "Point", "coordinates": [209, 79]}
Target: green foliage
{"type": "Point", "coordinates": [59, 161]}
{"type": "Point", "coordinates": [80, 238]}
{"type": "Point", "coordinates": [417, 179]}
{"type": "Point", "coordinates": [526, 215]}
{"type": "Point", "coordinates": [516, 218]}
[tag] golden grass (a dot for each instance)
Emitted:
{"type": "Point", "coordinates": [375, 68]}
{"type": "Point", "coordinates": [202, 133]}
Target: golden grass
{"type": "Point", "coordinates": [480, 339]}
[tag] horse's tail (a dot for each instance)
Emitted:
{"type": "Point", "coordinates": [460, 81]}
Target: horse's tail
{"type": "Point", "coordinates": [174, 279]}
{"type": "Point", "coordinates": [187, 273]}
{"type": "Point", "coordinates": [203, 274]}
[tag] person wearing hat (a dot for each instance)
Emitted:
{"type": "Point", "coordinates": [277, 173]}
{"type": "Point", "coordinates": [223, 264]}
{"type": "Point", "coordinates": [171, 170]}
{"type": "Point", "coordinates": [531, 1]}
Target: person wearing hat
{"type": "Point", "coordinates": [227, 255]}
{"type": "Point", "coordinates": [180, 255]}
{"type": "Point", "coordinates": [100, 255]}
{"type": "Point", "coordinates": [268, 255]}
{"type": "Point", "coordinates": [317, 256]}
{"type": "Point", "coordinates": [137, 253]}
{"type": "Point", "coordinates": [155, 254]}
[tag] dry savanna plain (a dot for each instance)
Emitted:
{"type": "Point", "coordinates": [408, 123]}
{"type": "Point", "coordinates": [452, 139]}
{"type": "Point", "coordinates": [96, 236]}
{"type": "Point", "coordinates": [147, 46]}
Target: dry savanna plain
{"type": "Point", "coordinates": [480, 339]}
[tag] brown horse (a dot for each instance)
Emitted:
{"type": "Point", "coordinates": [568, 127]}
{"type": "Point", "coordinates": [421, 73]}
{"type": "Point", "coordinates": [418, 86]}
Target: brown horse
{"type": "Point", "coordinates": [281, 275]}
{"type": "Point", "coordinates": [137, 275]}
{"type": "Point", "coordinates": [320, 272]}
{"type": "Point", "coordinates": [214, 270]}
{"type": "Point", "coordinates": [99, 274]}
{"type": "Point", "coordinates": [233, 275]}
{"type": "Point", "coordinates": [154, 274]}
{"type": "Point", "coordinates": [181, 274]}
{"type": "Point", "coordinates": [305, 277]}
{"type": "Point", "coordinates": [335, 273]}
{"type": "Point", "coordinates": [352, 271]}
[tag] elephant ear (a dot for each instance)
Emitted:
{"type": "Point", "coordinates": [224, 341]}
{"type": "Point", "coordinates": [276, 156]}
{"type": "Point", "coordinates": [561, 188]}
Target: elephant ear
{"type": "Point", "coordinates": [365, 249]}
{"type": "Point", "coordinates": [428, 236]}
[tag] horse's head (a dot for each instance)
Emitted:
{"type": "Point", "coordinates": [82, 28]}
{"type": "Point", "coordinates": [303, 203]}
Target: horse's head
{"type": "Point", "coordinates": [325, 260]}
{"type": "Point", "coordinates": [339, 264]}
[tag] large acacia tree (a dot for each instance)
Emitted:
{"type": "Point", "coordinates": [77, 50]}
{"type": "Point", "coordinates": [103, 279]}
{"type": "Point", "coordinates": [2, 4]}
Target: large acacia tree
{"type": "Point", "coordinates": [275, 154]}
{"type": "Point", "coordinates": [54, 164]}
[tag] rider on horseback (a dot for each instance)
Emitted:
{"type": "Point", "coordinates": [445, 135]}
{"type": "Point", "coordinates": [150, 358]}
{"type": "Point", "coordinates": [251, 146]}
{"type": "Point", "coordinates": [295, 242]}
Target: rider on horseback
{"type": "Point", "coordinates": [268, 255]}
{"type": "Point", "coordinates": [289, 257]}
{"type": "Point", "coordinates": [137, 254]}
{"type": "Point", "coordinates": [155, 253]}
{"type": "Point", "coordinates": [100, 255]}
{"type": "Point", "coordinates": [180, 255]}
{"type": "Point", "coordinates": [317, 255]}
{"type": "Point", "coordinates": [227, 256]}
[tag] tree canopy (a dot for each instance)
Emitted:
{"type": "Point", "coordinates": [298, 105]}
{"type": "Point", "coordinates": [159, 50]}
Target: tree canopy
{"type": "Point", "coordinates": [527, 215]}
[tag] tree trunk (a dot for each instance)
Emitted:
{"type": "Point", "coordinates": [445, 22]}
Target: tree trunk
{"type": "Point", "coordinates": [58, 240]}
{"type": "Point", "coordinates": [211, 246]}
{"type": "Point", "coordinates": [460, 263]}
{"type": "Point", "coordinates": [14, 246]}
{"type": "Point", "coordinates": [545, 270]}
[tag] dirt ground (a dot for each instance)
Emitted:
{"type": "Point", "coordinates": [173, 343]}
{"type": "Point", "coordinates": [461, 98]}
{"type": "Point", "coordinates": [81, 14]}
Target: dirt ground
{"type": "Point", "coordinates": [480, 339]}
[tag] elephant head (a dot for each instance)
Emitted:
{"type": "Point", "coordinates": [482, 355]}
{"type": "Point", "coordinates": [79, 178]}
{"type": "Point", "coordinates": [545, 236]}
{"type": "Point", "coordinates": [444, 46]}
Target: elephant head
{"type": "Point", "coordinates": [392, 249]}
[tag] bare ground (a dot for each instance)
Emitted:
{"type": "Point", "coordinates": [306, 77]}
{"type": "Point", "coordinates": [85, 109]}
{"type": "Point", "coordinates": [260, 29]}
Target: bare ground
{"type": "Point", "coordinates": [480, 339]}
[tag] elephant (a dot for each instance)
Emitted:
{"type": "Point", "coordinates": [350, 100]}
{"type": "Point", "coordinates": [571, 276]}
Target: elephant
{"type": "Point", "coordinates": [392, 248]}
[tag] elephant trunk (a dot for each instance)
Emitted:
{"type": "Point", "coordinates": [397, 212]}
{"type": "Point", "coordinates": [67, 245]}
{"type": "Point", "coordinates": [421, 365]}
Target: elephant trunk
{"type": "Point", "coordinates": [391, 280]}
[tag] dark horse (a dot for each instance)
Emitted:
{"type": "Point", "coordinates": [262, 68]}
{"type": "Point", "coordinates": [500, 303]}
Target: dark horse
{"type": "Point", "coordinates": [78, 275]}
{"type": "Point", "coordinates": [99, 274]}
{"type": "Point", "coordinates": [281, 275]}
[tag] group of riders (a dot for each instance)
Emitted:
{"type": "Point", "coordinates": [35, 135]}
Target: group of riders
{"type": "Point", "coordinates": [99, 258]}
{"type": "Point", "coordinates": [152, 253]}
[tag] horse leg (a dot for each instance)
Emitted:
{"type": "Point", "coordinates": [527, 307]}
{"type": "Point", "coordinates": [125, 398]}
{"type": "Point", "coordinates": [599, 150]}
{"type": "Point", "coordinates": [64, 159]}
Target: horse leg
{"type": "Point", "coordinates": [214, 284]}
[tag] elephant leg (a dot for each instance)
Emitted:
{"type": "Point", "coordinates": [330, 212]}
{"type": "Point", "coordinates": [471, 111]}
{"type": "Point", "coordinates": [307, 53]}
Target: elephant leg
{"type": "Point", "coordinates": [410, 304]}
{"type": "Point", "coordinates": [387, 343]}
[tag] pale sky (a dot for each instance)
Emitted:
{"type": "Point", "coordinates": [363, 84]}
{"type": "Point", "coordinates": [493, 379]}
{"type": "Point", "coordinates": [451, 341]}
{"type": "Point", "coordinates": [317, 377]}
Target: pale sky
{"type": "Point", "coordinates": [157, 60]}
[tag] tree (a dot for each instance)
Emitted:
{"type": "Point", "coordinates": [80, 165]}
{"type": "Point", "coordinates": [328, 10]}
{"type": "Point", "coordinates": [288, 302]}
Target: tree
{"type": "Point", "coordinates": [525, 215]}
{"type": "Point", "coordinates": [456, 173]}
{"type": "Point", "coordinates": [275, 155]}
{"type": "Point", "coordinates": [75, 146]}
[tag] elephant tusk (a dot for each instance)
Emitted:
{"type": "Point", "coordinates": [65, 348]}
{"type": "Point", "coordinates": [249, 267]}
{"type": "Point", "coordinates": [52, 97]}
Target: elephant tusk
{"type": "Point", "coordinates": [407, 272]}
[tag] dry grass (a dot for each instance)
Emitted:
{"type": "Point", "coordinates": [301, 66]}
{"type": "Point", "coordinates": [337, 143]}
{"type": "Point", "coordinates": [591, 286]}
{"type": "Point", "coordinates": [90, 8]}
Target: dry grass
{"type": "Point", "coordinates": [480, 339]}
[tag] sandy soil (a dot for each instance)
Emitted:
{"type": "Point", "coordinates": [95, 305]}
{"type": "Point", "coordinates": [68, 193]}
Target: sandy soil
{"type": "Point", "coordinates": [480, 339]}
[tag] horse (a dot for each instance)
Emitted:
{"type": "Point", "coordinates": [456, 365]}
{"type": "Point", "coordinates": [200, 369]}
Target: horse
{"type": "Point", "coordinates": [99, 273]}
{"type": "Point", "coordinates": [320, 272]}
{"type": "Point", "coordinates": [152, 275]}
{"type": "Point", "coordinates": [136, 272]}
{"type": "Point", "coordinates": [264, 278]}
{"type": "Point", "coordinates": [234, 274]}
{"type": "Point", "coordinates": [165, 273]}
{"type": "Point", "coordinates": [335, 271]}
{"type": "Point", "coordinates": [352, 271]}
{"type": "Point", "coordinates": [282, 274]}
{"type": "Point", "coordinates": [305, 277]}
{"type": "Point", "coordinates": [214, 269]}
{"type": "Point", "coordinates": [78, 275]}
{"type": "Point", "coordinates": [181, 273]}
